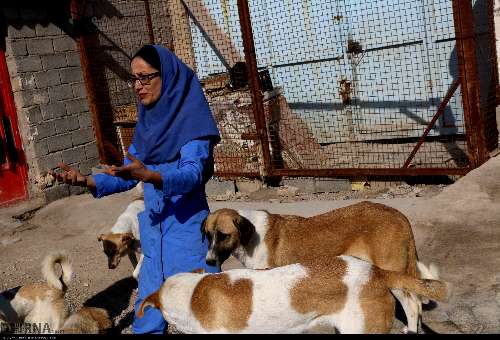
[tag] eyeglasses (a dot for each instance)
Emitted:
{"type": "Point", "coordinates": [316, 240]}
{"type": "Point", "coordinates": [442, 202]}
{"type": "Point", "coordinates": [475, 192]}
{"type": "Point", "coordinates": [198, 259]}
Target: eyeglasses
{"type": "Point", "coordinates": [144, 79]}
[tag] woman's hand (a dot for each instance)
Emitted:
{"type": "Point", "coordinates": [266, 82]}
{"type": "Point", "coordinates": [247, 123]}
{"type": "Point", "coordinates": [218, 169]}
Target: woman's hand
{"type": "Point", "coordinates": [72, 176]}
{"type": "Point", "coordinates": [134, 170]}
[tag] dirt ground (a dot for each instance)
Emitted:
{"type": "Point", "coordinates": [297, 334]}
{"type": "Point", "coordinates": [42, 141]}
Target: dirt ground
{"type": "Point", "coordinates": [455, 226]}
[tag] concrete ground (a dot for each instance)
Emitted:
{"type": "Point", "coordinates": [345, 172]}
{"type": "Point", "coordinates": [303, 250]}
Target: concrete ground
{"type": "Point", "coordinates": [456, 227]}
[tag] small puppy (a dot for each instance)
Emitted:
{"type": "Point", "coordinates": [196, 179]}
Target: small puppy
{"type": "Point", "coordinates": [43, 303]}
{"type": "Point", "coordinates": [124, 238]}
{"type": "Point", "coordinates": [343, 294]}
{"type": "Point", "coordinates": [88, 320]}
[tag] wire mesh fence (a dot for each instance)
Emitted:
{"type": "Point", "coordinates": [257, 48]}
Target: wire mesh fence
{"type": "Point", "coordinates": [111, 32]}
{"type": "Point", "coordinates": [366, 77]}
{"type": "Point", "coordinates": [344, 85]}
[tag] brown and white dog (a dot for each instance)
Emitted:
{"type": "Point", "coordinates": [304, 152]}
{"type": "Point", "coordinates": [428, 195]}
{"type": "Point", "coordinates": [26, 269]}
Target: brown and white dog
{"type": "Point", "coordinates": [124, 238]}
{"type": "Point", "coordinates": [370, 231]}
{"type": "Point", "coordinates": [343, 294]}
{"type": "Point", "coordinates": [88, 320]}
{"type": "Point", "coordinates": [43, 303]}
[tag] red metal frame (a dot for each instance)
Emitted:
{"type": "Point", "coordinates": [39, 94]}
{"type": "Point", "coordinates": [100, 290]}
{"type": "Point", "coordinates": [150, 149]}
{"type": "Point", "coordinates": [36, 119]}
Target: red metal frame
{"type": "Point", "coordinates": [77, 8]}
{"type": "Point", "coordinates": [149, 22]}
{"type": "Point", "coordinates": [469, 81]}
{"type": "Point", "coordinates": [13, 174]}
{"type": "Point", "coordinates": [253, 77]}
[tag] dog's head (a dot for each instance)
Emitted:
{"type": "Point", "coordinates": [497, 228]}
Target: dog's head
{"type": "Point", "coordinates": [225, 230]}
{"type": "Point", "coordinates": [115, 246]}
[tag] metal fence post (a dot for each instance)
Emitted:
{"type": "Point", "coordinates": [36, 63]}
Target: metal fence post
{"type": "Point", "coordinates": [257, 101]}
{"type": "Point", "coordinates": [85, 60]}
{"type": "Point", "coordinates": [466, 55]}
{"type": "Point", "coordinates": [149, 22]}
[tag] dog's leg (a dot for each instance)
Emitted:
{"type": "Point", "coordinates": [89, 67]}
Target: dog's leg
{"type": "Point", "coordinates": [410, 304]}
{"type": "Point", "coordinates": [133, 258]}
{"type": "Point", "coordinates": [137, 269]}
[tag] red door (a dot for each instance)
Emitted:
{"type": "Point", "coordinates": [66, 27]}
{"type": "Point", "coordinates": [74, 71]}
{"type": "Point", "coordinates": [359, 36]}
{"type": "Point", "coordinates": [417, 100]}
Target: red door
{"type": "Point", "coordinates": [13, 168]}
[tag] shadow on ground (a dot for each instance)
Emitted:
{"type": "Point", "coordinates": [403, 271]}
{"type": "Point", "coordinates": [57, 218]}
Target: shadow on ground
{"type": "Point", "coordinates": [115, 299]}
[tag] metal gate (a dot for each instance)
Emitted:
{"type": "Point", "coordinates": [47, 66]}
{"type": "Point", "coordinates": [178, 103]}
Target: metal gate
{"type": "Point", "coordinates": [313, 87]}
{"type": "Point", "coordinates": [378, 87]}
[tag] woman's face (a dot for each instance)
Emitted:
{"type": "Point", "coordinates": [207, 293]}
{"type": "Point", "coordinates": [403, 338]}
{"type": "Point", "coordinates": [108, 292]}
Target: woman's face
{"type": "Point", "coordinates": [148, 94]}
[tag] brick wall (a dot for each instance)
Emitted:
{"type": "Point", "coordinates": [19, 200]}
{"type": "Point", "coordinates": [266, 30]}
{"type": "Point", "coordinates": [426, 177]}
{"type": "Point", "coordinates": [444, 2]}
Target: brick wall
{"type": "Point", "coordinates": [49, 93]}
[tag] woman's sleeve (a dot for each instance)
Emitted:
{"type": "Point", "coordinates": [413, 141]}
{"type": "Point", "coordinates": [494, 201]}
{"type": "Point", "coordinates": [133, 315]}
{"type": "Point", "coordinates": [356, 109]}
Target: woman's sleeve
{"type": "Point", "coordinates": [107, 184]}
{"type": "Point", "coordinates": [195, 156]}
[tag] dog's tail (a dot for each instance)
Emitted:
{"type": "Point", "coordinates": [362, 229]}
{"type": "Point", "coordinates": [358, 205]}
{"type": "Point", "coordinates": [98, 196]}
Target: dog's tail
{"type": "Point", "coordinates": [432, 289]}
{"type": "Point", "coordinates": [152, 300]}
{"type": "Point", "coordinates": [49, 270]}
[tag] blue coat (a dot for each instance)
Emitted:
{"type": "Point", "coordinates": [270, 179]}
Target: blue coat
{"type": "Point", "coordinates": [170, 224]}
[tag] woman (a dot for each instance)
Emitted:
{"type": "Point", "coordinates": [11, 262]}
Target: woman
{"type": "Point", "coordinates": [172, 153]}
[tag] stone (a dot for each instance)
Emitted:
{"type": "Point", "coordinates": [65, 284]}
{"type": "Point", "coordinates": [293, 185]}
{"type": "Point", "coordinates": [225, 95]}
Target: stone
{"type": "Point", "coordinates": [216, 187]}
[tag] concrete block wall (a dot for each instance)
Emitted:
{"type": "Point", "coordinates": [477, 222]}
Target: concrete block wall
{"type": "Point", "coordinates": [50, 97]}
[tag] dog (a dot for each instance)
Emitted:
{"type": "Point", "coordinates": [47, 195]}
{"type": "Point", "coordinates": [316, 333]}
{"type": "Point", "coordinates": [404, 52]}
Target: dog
{"type": "Point", "coordinates": [42, 304]}
{"type": "Point", "coordinates": [335, 294]}
{"type": "Point", "coordinates": [4, 323]}
{"type": "Point", "coordinates": [88, 320]}
{"type": "Point", "coordinates": [371, 231]}
{"type": "Point", "coordinates": [124, 238]}
{"type": "Point", "coordinates": [8, 315]}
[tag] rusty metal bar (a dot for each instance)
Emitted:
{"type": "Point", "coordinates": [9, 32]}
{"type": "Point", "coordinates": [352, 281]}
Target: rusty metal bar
{"type": "Point", "coordinates": [253, 75]}
{"type": "Point", "coordinates": [492, 136]}
{"type": "Point", "coordinates": [77, 8]}
{"type": "Point", "coordinates": [493, 48]}
{"type": "Point", "coordinates": [370, 172]}
{"type": "Point", "coordinates": [433, 121]}
{"type": "Point", "coordinates": [149, 22]}
{"type": "Point", "coordinates": [466, 55]}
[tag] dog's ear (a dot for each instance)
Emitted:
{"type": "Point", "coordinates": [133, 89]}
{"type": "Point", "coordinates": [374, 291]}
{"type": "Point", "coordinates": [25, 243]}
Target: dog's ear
{"type": "Point", "coordinates": [100, 237]}
{"type": "Point", "coordinates": [245, 228]}
{"type": "Point", "coordinates": [202, 230]}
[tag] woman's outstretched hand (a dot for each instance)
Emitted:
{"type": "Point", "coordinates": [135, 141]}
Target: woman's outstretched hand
{"type": "Point", "coordinates": [72, 176]}
{"type": "Point", "coordinates": [136, 170]}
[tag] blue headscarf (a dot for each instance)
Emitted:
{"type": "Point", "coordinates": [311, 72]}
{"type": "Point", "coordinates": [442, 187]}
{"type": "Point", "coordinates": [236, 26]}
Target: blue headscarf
{"type": "Point", "coordinates": [180, 115]}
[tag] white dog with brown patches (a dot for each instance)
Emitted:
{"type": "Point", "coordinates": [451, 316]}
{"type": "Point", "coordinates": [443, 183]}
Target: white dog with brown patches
{"type": "Point", "coordinates": [124, 238]}
{"type": "Point", "coordinates": [370, 231]}
{"type": "Point", "coordinates": [43, 303]}
{"type": "Point", "coordinates": [343, 294]}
